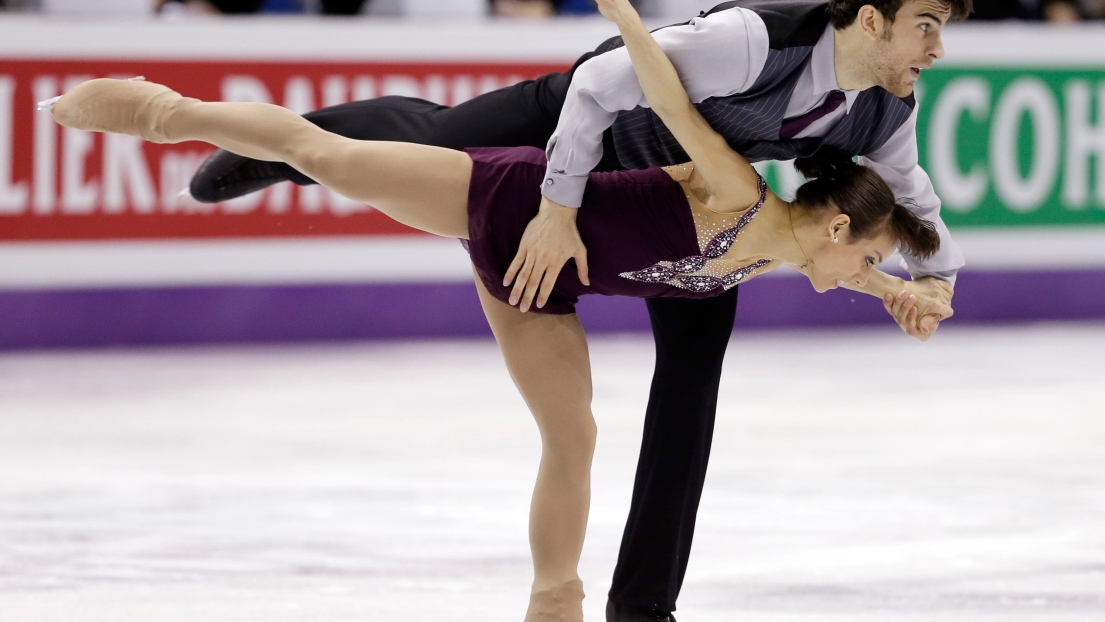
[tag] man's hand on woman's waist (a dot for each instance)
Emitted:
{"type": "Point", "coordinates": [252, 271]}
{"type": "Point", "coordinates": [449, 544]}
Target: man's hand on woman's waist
{"type": "Point", "coordinates": [549, 241]}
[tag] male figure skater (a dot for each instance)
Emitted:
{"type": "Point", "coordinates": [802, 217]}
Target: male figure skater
{"type": "Point", "coordinates": [779, 79]}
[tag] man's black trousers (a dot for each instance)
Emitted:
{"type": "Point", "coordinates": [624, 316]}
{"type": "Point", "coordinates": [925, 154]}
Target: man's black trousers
{"type": "Point", "coordinates": [691, 335]}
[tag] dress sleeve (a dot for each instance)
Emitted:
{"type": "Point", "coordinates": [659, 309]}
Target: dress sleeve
{"type": "Point", "coordinates": [717, 55]}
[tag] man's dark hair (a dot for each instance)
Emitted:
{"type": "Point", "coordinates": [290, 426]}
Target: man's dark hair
{"type": "Point", "coordinates": [838, 182]}
{"type": "Point", "coordinates": [844, 12]}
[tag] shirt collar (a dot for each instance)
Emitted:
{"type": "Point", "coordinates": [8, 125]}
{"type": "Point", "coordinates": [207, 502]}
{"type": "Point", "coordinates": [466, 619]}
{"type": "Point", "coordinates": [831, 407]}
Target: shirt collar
{"type": "Point", "coordinates": [823, 66]}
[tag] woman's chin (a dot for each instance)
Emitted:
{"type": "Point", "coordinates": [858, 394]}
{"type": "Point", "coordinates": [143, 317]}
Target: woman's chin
{"type": "Point", "coordinates": [822, 285]}
{"type": "Point", "coordinates": [821, 288]}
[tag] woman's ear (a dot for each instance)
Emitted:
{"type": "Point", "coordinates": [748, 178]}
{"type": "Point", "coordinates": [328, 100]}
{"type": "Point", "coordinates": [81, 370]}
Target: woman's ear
{"type": "Point", "coordinates": [838, 227]}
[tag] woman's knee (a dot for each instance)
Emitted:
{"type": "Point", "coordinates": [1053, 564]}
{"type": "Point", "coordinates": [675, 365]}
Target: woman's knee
{"type": "Point", "coordinates": [309, 159]}
{"type": "Point", "coordinates": [316, 153]}
{"type": "Point", "coordinates": [576, 435]}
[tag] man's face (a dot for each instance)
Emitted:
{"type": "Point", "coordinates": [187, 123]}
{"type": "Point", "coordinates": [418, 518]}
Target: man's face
{"type": "Point", "coordinates": [910, 44]}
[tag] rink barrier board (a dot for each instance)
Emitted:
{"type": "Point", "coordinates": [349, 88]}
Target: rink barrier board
{"type": "Point", "coordinates": [90, 186]}
{"type": "Point", "coordinates": [1009, 139]}
{"type": "Point", "coordinates": [1013, 135]}
{"type": "Point", "coordinates": [259, 314]}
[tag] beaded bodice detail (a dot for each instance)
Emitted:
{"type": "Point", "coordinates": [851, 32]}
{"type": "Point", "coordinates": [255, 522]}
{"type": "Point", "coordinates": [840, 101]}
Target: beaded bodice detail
{"type": "Point", "coordinates": [707, 271]}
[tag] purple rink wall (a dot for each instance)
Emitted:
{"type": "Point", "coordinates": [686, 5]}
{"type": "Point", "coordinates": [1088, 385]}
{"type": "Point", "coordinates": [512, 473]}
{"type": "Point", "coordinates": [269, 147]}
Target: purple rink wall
{"type": "Point", "coordinates": [198, 314]}
{"type": "Point", "coordinates": [268, 313]}
{"type": "Point", "coordinates": [1012, 135]}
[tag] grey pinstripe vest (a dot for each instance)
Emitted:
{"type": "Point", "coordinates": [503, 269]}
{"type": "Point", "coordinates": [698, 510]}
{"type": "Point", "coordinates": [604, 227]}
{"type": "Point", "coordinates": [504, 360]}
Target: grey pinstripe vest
{"type": "Point", "coordinates": [750, 121]}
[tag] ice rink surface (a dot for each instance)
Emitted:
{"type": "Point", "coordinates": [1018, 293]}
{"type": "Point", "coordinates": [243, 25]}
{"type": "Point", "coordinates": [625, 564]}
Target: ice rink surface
{"type": "Point", "coordinates": [856, 476]}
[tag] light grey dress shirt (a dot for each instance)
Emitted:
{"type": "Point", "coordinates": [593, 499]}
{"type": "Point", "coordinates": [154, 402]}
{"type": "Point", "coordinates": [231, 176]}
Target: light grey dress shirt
{"type": "Point", "coordinates": [719, 55]}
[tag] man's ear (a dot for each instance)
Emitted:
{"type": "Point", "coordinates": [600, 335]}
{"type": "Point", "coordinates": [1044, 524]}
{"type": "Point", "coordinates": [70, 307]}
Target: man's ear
{"type": "Point", "coordinates": [872, 22]}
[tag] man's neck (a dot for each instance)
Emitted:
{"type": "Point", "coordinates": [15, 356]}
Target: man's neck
{"type": "Point", "coordinates": [849, 47]}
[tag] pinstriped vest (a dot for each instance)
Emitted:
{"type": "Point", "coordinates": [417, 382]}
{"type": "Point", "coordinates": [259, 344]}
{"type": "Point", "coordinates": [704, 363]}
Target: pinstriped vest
{"type": "Point", "coordinates": [750, 121]}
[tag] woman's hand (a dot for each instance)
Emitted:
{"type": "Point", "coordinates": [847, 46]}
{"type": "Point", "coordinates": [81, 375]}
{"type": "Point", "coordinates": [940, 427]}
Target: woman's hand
{"type": "Point", "coordinates": [917, 306]}
{"type": "Point", "coordinates": [616, 10]}
{"type": "Point", "coordinates": [921, 306]}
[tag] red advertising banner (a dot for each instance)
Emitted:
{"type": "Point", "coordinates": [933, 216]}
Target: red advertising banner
{"type": "Point", "coordinates": [60, 184]}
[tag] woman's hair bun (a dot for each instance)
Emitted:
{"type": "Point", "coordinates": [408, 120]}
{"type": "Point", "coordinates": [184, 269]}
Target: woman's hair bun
{"type": "Point", "coordinates": [827, 162]}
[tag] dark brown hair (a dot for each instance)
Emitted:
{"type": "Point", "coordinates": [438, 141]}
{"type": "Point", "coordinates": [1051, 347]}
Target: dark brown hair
{"type": "Point", "coordinates": [838, 182]}
{"type": "Point", "coordinates": [844, 12]}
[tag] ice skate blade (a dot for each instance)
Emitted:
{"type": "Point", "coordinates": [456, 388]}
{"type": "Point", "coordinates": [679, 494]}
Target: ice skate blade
{"type": "Point", "coordinates": [47, 104]}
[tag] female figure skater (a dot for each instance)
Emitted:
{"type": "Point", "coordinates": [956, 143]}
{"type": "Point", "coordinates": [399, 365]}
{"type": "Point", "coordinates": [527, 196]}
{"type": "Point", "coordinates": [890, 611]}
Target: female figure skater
{"type": "Point", "coordinates": [693, 231]}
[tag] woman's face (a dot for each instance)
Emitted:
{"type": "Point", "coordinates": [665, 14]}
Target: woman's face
{"type": "Point", "coordinates": [848, 261]}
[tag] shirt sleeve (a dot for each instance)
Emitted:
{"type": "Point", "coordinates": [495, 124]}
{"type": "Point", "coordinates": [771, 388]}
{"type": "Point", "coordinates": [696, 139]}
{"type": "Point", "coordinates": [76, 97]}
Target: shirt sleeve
{"type": "Point", "coordinates": [896, 162]}
{"type": "Point", "coordinates": [717, 55]}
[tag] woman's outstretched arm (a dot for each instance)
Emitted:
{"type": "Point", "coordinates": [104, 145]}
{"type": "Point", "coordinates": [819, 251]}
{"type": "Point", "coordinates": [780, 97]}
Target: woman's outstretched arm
{"type": "Point", "coordinates": [731, 180]}
{"type": "Point", "coordinates": [913, 304]}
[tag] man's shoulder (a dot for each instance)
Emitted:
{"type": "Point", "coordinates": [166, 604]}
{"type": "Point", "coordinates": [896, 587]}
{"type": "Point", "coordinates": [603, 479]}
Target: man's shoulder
{"type": "Point", "coordinates": [881, 115]}
{"type": "Point", "coordinates": [790, 23]}
{"type": "Point", "coordinates": [887, 99]}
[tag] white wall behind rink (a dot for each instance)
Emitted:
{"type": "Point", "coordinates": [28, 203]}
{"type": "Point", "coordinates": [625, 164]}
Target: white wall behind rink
{"type": "Point", "coordinates": [352, 39]}
{"type": "Point", "coordinates": [405, 258]}
{"type": "Point", "coordinates": [379, 259]}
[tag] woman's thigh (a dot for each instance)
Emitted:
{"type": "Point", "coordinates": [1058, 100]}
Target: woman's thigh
{"type": "Point", "coordinates": [421, 186]}
{"type": "Point", "coordinates": [548, 359]}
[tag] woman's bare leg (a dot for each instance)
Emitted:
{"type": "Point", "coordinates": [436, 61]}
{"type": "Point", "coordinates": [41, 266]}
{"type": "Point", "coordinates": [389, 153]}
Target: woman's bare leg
{"type": "Point", "coordinates": [420, 186]}
{"type": "Point", "coordinates": [425, 187]}
{"type": "Point", "coordinates": [547, 358]}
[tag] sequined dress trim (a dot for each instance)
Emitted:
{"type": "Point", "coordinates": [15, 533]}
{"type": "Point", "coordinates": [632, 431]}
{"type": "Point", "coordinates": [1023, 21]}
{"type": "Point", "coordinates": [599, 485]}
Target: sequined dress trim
{"type": "Point", "coordinates": [694, 273]}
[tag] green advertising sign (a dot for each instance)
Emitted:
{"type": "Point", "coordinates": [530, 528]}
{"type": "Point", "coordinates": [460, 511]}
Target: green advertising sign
{"type": "Point", "coordinates": [1008, 147]}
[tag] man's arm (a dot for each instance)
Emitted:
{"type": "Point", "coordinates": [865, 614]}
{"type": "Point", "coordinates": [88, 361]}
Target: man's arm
{"type": "Point", "coordinates": [721, 54]}
{"type": "Point", "coordinates": [897, 162]}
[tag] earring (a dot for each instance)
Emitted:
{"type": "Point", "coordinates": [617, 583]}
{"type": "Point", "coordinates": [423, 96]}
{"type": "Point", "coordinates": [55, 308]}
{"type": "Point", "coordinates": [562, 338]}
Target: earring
{"type": "Point", "coordinates": [835, 240]}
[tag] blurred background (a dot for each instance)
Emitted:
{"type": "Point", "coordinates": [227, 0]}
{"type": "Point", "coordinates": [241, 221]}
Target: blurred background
{"type": "Point", "coordinates": [98, 249]}
{"type": "Point", "coordinates": [344, 444]}
{"type": "Point", "coordinates": [1050, 10]}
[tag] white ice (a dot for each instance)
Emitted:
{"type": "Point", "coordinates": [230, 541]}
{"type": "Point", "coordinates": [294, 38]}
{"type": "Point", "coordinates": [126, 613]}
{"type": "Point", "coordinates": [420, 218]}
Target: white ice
{"type": "Point", "coordinates": [855, 476]}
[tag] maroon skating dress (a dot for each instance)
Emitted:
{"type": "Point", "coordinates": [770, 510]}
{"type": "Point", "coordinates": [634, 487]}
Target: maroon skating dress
{"type": "Point", "coordinates": [637, 226]}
